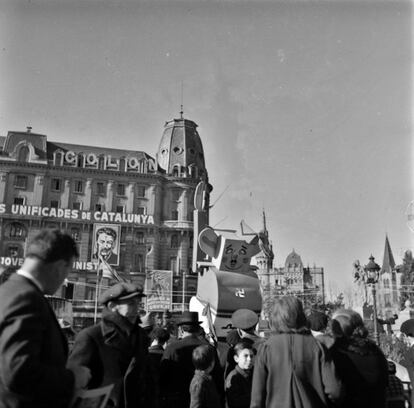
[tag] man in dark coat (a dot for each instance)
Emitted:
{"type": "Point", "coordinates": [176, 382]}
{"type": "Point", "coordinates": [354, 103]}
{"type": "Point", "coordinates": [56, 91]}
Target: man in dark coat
{"type": "Point", "coordinates": [177, 368]}
{"type": "Point", "coordinates": [33, 349]}
{"type": "Point", "coordinates": [115, 349]}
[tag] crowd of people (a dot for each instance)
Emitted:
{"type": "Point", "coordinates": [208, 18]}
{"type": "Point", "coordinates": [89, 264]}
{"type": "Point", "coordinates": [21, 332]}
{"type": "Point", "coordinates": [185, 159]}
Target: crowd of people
{"type": "Point", "coordinates": [306, 361]}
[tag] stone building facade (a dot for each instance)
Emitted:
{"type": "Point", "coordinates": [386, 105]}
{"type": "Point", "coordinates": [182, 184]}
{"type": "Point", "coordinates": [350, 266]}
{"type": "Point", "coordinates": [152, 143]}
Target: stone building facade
{"type": "Point", "coordinates": [73, 187]}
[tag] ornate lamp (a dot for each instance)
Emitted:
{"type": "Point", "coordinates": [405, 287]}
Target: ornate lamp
{"type": "Point", "coordinates": [371, 279]}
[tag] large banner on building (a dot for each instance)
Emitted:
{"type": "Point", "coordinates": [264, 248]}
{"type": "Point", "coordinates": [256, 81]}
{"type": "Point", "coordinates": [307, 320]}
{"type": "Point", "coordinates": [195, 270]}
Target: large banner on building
{"type": "Point", "coordinates": [158, 289]}
{"type": "Point", "coordinates": [68, 214]}
{"type": "Point", "coordinates": [106, 243]}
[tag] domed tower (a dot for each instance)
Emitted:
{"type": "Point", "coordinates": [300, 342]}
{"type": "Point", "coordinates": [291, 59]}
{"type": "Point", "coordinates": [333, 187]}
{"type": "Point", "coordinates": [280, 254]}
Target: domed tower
{"type": "Point", "coordinates": [293, 272]}
{"type": "Point", "coordinates": [180, 153]}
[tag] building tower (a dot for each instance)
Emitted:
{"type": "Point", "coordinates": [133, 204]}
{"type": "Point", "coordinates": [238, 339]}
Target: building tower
{"type": "Point", "coordinates": [264, 259]}
{"type": "Point", "coordinates": [180, 157]}
{"type": "Point", "coordinates": [388, 302]}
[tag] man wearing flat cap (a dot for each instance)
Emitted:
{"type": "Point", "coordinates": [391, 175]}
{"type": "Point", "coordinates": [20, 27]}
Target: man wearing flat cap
{"type": "Point", "coordinates": [177, 368]}
{"type": "Point", "coordinates": [115, 348]}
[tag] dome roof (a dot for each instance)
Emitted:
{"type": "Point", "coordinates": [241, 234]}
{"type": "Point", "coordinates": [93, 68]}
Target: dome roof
{"type": "Point", "coordinates": [181, 152]}
{"type": "Point", "coordinates": [293, 260]}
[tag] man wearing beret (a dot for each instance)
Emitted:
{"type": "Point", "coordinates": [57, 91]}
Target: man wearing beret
{"type": "Point", "coordinates": [177, 368]}
{"type": "Point", "coordinates": [33, 349]}
{"type": "Point", "coordinates": [115, 349]}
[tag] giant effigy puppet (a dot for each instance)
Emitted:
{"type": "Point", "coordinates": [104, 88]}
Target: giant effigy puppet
{"type": "Point", "coordinates": [226, 282]}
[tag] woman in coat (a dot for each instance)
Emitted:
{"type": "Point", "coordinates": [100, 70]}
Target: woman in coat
{"type": "Point", "coordinates": [360, 363]}
{"type": "Point", "coordinates": [292, 369]}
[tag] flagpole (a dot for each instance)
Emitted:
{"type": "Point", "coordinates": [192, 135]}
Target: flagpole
{"type": "Point", "coordinates": [98, 284]}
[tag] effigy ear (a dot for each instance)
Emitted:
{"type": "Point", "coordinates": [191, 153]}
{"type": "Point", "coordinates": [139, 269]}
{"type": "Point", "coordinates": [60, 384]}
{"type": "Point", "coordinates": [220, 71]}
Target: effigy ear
{"type": "Point", "coordinates": [209, 242]}
{"type": "Point", "coordinates": [254, 247]}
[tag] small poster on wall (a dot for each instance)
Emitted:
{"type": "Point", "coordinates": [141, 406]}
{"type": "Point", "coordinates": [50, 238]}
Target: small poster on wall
{"type": "Point", "coordinates": [159, 290]}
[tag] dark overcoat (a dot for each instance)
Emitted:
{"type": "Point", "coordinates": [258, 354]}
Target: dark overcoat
{"type": "Point", "coordinates": [177, 371]}
{"type": "Point", "coordinates": [115, 352]}
{"type": "Point", "coordinates": [294, 370]}
{"type": "Point", "coordinates": [33, 349]}
{"type": "Point", "coordinates": [363, 369]}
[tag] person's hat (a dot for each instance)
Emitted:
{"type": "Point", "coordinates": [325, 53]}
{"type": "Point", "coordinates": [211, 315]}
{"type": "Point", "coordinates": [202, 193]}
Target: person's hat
{"type": "Point", "coordinates": [408, 327]}
{"type": "Point", "coordinates": [244, 319]}
{"type": "Point", "coordinates": [317, 321]}
{"type": "Point", "coordinates": [188, 318]}
{"type": "Point", "coordinates": [121, 291]}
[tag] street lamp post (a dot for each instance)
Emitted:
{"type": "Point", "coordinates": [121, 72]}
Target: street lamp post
{"type": "Point", "coordinates": [372, 276]}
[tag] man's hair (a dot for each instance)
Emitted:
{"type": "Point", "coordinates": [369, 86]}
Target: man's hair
{"type": "Point", "coordinates": [288, 316]}
{"type": "Point", "coordinates": [107, 231]}
{"type": "Point", "coordinates": [239, 347]}
{"type": "Point", "coordinates": [52, 245]}
{"type": "Point", "coordinates": [159, 334]}
{"type": "Point", "coordinates": [203, 356]}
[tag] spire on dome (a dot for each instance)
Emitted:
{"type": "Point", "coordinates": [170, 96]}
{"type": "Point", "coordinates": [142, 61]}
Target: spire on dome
{"type": "Point", "coordinates": [388, 263]}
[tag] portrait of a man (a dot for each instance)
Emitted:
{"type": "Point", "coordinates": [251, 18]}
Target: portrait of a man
{"type": "Point", "coordinates": [106, 245]}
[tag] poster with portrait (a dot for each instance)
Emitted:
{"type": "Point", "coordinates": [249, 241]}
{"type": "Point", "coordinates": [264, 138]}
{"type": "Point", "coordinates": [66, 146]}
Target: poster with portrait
{"type": "Point", "coordinates": [159, 290]}
{"type": "Point", "coordinates": [106, 243]}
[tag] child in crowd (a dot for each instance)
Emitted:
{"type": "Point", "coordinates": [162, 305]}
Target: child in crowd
{"type": "Point", "coordinates": [239, 381]}
{"type": "Point", "coordinates": [203, 391]}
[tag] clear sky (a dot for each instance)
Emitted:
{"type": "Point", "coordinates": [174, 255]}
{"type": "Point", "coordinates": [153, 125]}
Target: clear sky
{"type": "Point", "coordinates": [304, 107]}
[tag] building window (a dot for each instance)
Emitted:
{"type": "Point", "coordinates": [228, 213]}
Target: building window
{"type": "Point", "coordinates": [24, 154]}
{"type": "Point", "coordinates": [174, 241]}
{"type": "Point", "coordinates": [176, 195]}
{"type": "Point", "coordinates": [78, 186]}
{"type": "Point", "coordinates": [386, 283]}
{"type": "Point", "coordinates": [54, 204]}
{"type": "Point", "coordinates": [20, 182]}
{"type": "Point", "coordinates": [120, 189]}
{"type": "Point", "coordinates": [174, 265]}
{"type": "Point", "coordinates": [139, 237]}
{"type": "Point", "coordinates": [100, 188]}
{"type": "Point", "coordinates": [76, 205]}
{"type": "Point", "coordinates": [56, 184]}
{"type": "Point", "coordinates": [67, 290]}
{"type": "Point", "coordinates": [141, 191]}
{"type": "Point", "coordinates": [75, 233]}
{"type": "Point", "coordinates": [174, 215]}
{"type": "Point", "coordinates": [98, 207]}
{"type": "Point", "coordinates": [17, 231]}
{"type": "Point", "coordinates": [18, 200]}
{"type": "Point", "coordinates": [120, 208]}
{"type": "Point", "coordinates": [141, 210]}
{"type": "Point", "coordinates": [139, 262]}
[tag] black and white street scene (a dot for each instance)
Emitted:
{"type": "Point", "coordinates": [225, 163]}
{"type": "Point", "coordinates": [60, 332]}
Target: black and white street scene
{"type": "Point", "coordinates": [206, 204]}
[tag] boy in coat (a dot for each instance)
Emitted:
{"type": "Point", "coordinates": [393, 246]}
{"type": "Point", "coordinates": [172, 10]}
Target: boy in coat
{"type": "Point", "coordinates": [239, 381]}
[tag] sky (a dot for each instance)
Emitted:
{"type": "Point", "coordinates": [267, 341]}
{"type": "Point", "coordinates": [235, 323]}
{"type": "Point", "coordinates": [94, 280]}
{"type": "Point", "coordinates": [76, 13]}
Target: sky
{"type": "Point", "coordinates": [304, 108]}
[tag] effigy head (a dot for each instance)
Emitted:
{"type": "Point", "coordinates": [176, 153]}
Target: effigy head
{"type": "Point", "coordinates": [233, 255]}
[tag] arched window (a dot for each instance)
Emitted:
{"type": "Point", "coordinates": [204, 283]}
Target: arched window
{"type": "Point", "coordinates": [176, 170]}
{"type": "Point", "coordinates": [23, 154]}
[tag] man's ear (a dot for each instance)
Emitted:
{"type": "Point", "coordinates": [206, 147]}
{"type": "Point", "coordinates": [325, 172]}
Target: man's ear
{"type": "Point", "coordinates": [236, 358]}
{"type": "Point", "coordinates": [111, 305]}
